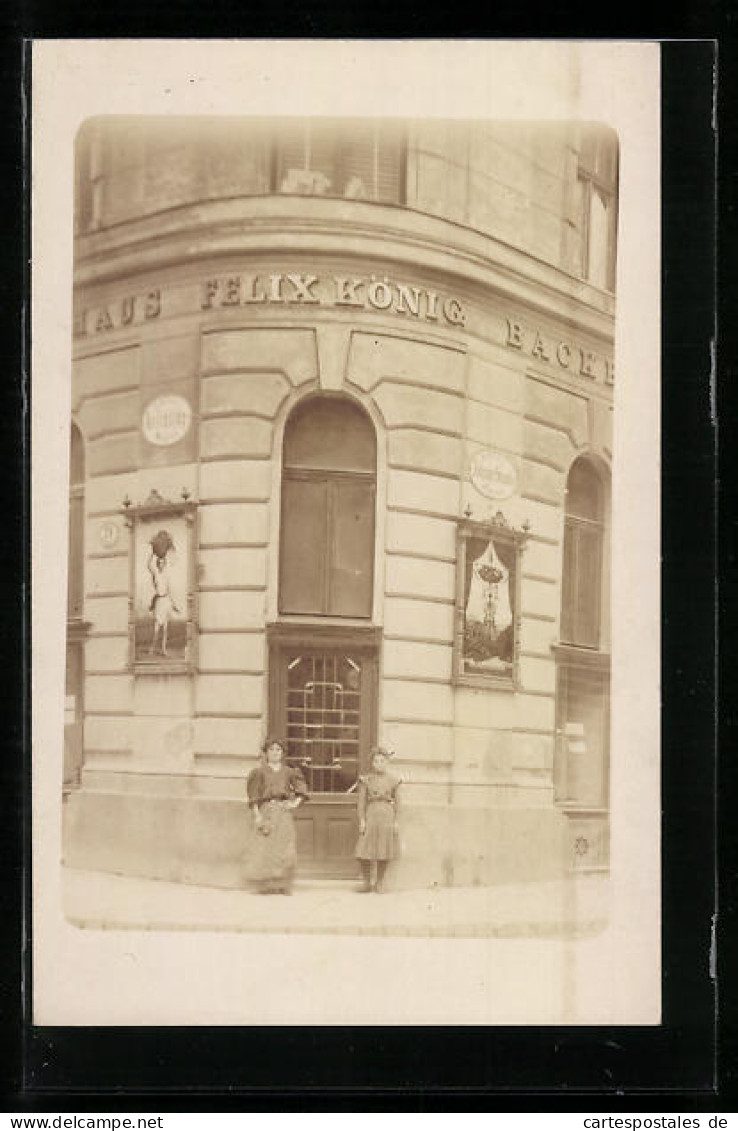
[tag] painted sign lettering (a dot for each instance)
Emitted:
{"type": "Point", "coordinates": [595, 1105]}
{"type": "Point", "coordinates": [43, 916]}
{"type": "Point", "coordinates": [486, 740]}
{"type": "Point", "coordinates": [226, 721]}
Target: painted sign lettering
{"type": "Point", "coordinates": [377, 292]}
{"type": "Point", "coordinates": [562, 354]}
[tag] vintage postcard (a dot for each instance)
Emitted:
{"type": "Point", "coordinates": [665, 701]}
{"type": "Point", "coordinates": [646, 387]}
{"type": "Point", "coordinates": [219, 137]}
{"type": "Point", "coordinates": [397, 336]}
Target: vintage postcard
{"type": "Point", "coordinates": [346, 533]}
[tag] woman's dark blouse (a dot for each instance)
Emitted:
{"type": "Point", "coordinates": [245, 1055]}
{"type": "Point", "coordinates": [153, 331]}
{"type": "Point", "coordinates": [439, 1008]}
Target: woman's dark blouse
{"type": "Point", "coordinates": [376, 787]}
{"type": "Point", "coordinates": [267, 784]}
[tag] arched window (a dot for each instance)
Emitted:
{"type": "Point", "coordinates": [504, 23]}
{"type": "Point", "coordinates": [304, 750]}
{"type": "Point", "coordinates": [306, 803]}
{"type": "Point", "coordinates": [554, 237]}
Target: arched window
{"type": "Point", "coordinates": [328, 504]}
{"type": "Point", "coordinates": [75, 582]}
{"type": "Point", "coordinates": [581, 590]}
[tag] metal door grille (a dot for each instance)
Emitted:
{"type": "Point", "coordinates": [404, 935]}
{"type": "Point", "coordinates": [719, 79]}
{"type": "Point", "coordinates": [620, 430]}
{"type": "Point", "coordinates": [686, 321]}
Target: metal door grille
{"type": "Point", "coordinates": [323, 714]}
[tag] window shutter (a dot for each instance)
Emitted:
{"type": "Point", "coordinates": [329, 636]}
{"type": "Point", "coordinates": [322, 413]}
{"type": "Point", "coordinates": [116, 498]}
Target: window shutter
{"type": "Point", "coordinates": [589, 541]}
{"type": "Point", "coordinates": [76, 560]}
{"type": "Point", "coordinates": [390, 166]}
{"type": "Point", "coordinates": [359, 159]}
{"type": "Point", "coordinates": [568, 584]}
{"type": "Point", "coordinates": [302, 583]}
{"type": "Point", "coordinates": [582, 558]}
{"type": "Point", "coordinates": [352, 557]}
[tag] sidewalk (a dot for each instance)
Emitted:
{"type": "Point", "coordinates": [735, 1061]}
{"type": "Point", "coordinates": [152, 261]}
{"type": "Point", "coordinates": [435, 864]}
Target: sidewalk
{"type": "Point", "coordinates": [571, 908]}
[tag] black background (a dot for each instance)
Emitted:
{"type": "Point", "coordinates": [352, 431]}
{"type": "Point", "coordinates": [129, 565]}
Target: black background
{"type": "Point", "coordinates": [672, 1067]}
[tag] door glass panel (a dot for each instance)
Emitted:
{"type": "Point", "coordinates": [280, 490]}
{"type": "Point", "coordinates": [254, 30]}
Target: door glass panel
{"type": "Point", "coordinates": [302, 559]}
{"type": "Point", "coordinates": [323, 718]}
{"type": "Point", "coordinates": [353, 549]}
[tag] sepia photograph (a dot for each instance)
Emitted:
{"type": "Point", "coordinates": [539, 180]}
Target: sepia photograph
{"type": "Point", "coordinates": [341, 398]}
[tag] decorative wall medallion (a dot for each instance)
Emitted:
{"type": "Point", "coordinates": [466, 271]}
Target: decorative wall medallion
{"type": "Point", "coordinates": [108, 533]}
{"type": "Point", "coordinates": [167, 420]}
{"type": "Point", "coordinates": [581, 846]}
{"type": "Point", "coordinates": [493, 475]}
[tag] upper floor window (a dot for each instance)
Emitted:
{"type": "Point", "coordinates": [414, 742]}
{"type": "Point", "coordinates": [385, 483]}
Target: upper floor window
{"type": "Point", "coordinates": [328, 504]}
{"type": "Point", "coordinates": [127, 167]}
{"type": "Point", "coordinates": [597, 199]}
{"type": "Point", "coordinates": [75, 582]}
{"type": "Point", "coordinates": [359, 160]}
{"type": "Point", "coordinates": [581, 593]}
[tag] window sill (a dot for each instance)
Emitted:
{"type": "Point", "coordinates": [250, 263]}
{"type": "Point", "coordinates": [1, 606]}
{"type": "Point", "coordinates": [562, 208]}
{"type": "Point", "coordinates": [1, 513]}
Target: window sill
{"type": "Point", "coordinates": [576, 656]}
{"type": "Point", "coordinates": [572, 808]}
{"type": "Point", "coordinates": [323, 631]}
{"type": "Point", "coordinates": [162, 668]}
{"type": "Point", "coordinates": [486, 682]}
{"type": "Point", "coordinates": [77, 629]}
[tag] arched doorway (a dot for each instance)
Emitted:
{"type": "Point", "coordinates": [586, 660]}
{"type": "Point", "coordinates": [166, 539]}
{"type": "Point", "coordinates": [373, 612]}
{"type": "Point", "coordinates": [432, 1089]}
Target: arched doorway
{"type": "Point", "coordinates": [323, 648]}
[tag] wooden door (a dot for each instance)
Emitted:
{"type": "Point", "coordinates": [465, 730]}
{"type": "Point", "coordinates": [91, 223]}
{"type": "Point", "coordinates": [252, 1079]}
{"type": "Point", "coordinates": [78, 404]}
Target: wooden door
{"type": "Point", "coordinates": [324, 703]}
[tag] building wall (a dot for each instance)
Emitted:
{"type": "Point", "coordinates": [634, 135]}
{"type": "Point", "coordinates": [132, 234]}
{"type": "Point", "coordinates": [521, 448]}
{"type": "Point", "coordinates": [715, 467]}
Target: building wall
{"type": "Point", "coordinates": [514, 181]}
{"type": "Point", "coordinates": [515, 355]}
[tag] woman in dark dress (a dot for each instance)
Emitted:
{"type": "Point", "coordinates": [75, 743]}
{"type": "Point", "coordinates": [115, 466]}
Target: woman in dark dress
{"type": "Point", "coordinates": [274, 790]}
{"type": "Point", "coordinates": [377, 811]}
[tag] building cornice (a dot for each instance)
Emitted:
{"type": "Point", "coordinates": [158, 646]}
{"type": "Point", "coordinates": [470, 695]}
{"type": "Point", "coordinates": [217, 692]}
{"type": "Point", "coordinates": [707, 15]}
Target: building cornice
{"type": "Point", "coordinates": [348, 230]}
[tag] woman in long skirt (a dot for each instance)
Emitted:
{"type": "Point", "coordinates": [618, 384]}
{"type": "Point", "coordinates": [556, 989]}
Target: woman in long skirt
{"type": "Point", "coordinates": [274, 790]}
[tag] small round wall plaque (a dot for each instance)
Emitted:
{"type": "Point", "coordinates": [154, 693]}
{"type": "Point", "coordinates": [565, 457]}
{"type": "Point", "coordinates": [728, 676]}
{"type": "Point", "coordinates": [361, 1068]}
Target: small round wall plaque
{"type": "Point", "coordinates": [493, 475]}
{"type": "Point", "coordinates": [108, 534]}
{"type": "Point", "coordinates": [166, 420]}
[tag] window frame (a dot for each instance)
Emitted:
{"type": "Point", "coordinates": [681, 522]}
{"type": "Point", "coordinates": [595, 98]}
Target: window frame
{"type": "Point", "coordinates": [574, 525]}
{"type": "Point", "coordinates": [591, 183]}
{"type": "Point", "coordinates": [277, 171]}
{"type": "Point", "coordinates": [575, 662]}
{"type": "Point", "coordinates": [501, 531]}
{"type": "Point", "coordinates": [328, 476]}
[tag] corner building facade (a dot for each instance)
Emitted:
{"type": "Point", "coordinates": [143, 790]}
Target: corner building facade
{"type": "Point", "coordinates": [360, 378]}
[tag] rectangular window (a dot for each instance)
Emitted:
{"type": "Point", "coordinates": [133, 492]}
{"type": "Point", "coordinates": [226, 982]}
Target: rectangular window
{"type": "Point", "coordinates": [596, 206]}
{"type": "Point", "coordinates": [360, 160]}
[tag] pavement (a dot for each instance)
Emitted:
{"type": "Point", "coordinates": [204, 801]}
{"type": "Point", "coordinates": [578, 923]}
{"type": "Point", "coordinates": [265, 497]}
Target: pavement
{"type": "Point", "coordinates": [574, 907]}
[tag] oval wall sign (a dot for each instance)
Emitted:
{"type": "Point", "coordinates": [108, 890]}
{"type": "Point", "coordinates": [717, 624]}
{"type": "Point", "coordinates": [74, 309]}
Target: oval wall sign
{"type": "Point", "coordinates": [166, 420]}
{"type": "Point", "coordinates": [493, 475]}
{"type": "Point", "coordinates": [108, 533]}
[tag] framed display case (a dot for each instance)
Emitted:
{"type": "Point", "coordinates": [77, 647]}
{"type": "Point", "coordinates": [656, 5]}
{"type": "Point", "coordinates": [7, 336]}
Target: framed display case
{"type": "Point", "coordinates": [487, 628]}
{"type": "Point", "coordinates": [162, 620]}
